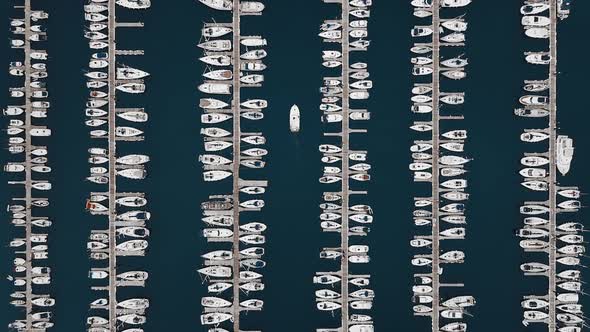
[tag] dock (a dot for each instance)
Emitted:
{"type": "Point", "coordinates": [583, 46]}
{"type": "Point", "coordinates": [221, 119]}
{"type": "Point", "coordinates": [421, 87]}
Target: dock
{"type": "Point", "coordinates": [345, 192]}
{"type": "Point", "coordinates": [236, 110]}
{"type": "Point", "coordinates": [113, 193]}
{"type": "Point", "coordinates": [551, 204]}
{"type": "Point", "coordinates": [23, 207]}
{"type": "Point", "coordinates": [434, 215]}
{"type": "Point", "coordinates": [435, 166]}
{"type": "Point", "coordinates": [237, 152]}
{"type": "Point", "coordinates": [552, 282]}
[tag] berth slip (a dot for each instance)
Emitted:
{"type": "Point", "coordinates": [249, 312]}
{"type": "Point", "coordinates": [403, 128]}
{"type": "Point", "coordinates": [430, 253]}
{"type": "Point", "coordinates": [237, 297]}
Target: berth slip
{"type": "Point", "coordinates": [439, 160]}
{"type": "Point", "coordinates": [121, 217]}
{"type": "Point", "coordinates": [234, 261]}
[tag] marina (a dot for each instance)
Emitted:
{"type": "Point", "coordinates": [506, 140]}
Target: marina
{"type": "Point", "coordinates": [174, 186]}
{"type": "Point", "coordinates": [442, 212]}
{"type": "Point", "coordinates": [234, 266]}
{"type": "Point", "coordinates": [340, 212]}
{"type": "Point", "coordinates": [548, 226]}
{"type": "Point", "coordinates": [26, 132]}
{"type": "Point", "coordinates": [125, 232]}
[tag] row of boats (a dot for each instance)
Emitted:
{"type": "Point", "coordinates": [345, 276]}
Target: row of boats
{"type": "Point", "coordinates": [550, 236]}
{"type": "Point", "coordinates": [345, 287]}
{"type": "Point", "coordinates": [233, 262]}
{"type": "Point", "coordinates": [28, 109]}
{"type": "Point", "coordinates": [439, 160]}
{"type": "Point", "coordinates": [125, 232]}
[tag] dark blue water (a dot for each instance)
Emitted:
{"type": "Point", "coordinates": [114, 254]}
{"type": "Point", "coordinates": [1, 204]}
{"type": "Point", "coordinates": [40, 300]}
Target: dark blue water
{"type": "Point", "coordinates": [496, 71]}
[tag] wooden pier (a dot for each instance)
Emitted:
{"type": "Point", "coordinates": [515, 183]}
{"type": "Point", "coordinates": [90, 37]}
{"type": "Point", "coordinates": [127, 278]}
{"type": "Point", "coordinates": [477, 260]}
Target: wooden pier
{"type": "Point", "coordinates": [112, 192]}
{"type": "Point", "coordinates": [345, 191]}
{"type": "Point", "coordinates": [552, 282]}
{"type": "Point", "coordinates": [29, 201]}
{"type": "Point", "coordinates": [112, 148]}
{"type": "Point", "coordinates": [237, 152]}
{"type": "Point", "coordinates": [435, 165]}
{"type": "Point", "coordinates": [435, 215]}
{"type": "Point", "coordinates": [235, 109]}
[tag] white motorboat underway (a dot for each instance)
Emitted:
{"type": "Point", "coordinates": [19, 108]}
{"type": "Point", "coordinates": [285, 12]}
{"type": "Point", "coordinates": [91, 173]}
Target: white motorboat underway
{"type": "Point", "coordinates": [294, 119]}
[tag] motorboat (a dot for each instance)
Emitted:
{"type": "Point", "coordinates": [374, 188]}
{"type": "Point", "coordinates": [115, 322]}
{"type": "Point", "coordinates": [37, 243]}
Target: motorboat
{"type": "Point", "coordinates": [134, 88]}
{"type": "Point", "coordinates": [125, 131]}
{"type": "Point", "coordinates": [220, 220]}
{"type": "Point", "coordinates": [215, 88]}
{"type": "Point", "coordinates": [453, 99]}
{"type": "Point", "coordinates": [328, 306]}
{"type": "Point", "coordinates": [215, 132]}
{"type": "Point", "coordinates": [253, 41]}
{"type": "Point", "coordinates": [215, 318]}
{"type": "Point", "coordinates": [251, 7]}
{"type": "Point", "coordinates": [210, 159]}
{"type": "Point", "coordinates": [134, 216]}
{"type": "Point", "coordinates": [531, 113]}
{"type": "Point", "coordinates": [536, 185]}
{"type": "Point", "coordinates": [533, 244]}
{"type": "Point", "coordinates": [532, 233]}
{"type": "Point", "coordinates": [214, 302]}
{"type": "Point", "coordinates": [252, 115]}
{"type": "Point", "coordinates": [215, 31]}
{"type": "Point", "coordinates": [534, 268]}
{"type": "Point", "coordinates": [456, 74]}
{"type": "Point", "coordinates": [218, 287]}
{"type": "Point", "coordinates": [133, 116]}
{"type": "Point", "coordinates": [533, 172]}
{"type": "Point", "coordinates": [537, 32]}
{"type": "Point", "coordinates": [455, 134]}
{"type": "Point", "coordinates": [455, 37]}
{"type": "Point", "coordinates": [212, 118]}
{"type": "Point", "coordinates": [534, 8]}
{"type": "Point", "coordinates": [455, 4]}
{"type": "Point", "coordinates": [564, 153]}
{"type": "Point", "coordinates": [217, 233]}
{"type": "Point", "coordinates": [459, 302]}
{"type": "Point", "coordinates": [217, 45]}
{"type": "Point", "coordinates": [219, 5]}
{"type": "Point", "coordinates": [421, 31]}
{"type": "Point", "coordinates": [534, 161]}
{"type": "Point", "coordinates": [210, 103]}
{"type": "Point", "coordinates": [128, 73]}
{"type": "Point", "coordinates": [133, 159]}
{"type": "Point", "coordinates": [538, 58]}
{"type": "Point", "coordinates": [212, 146]}
{"type": "Point", "coordinates": [134, 304]}
{"type": "Point", "coordinates": [133, 231]}
{"type": "Point", "coordinates": [218, 60]}
{"type": "Point", "coordinates": [456, 25]}
{"type": "Point", "coordinates": [454, 63]}
{"type": "Point", "coordinates": [533, 209]}
{"type": "Point", "coordinates": [421, 127]}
